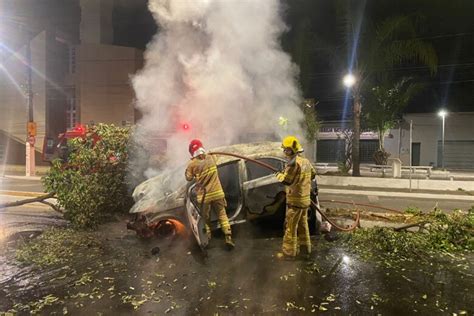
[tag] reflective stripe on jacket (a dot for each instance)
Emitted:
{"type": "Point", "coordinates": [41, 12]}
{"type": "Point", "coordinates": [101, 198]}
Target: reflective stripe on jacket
{"type": "Point", "coordinates": [207, 178]}
{"type": "Point", "coordinates": [297, 176]}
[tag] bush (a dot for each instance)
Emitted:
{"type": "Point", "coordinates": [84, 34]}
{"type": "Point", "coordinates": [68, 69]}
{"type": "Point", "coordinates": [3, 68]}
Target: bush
{"type": "Point", "coordinates": [91, 186]}
{"type": "Point", "coordinates": [381, 157]}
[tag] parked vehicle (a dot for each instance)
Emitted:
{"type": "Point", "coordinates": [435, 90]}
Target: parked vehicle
{"type": "Point", "coordinates": [58, 148]}
{"type": "Point", "coordinates": [166, 204]}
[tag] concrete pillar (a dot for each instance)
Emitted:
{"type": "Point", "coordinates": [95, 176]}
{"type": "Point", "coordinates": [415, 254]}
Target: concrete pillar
{"type": "Point", "coordinates": [396, 167]}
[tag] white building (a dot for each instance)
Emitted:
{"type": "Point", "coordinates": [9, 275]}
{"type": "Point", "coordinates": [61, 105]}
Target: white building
{"type": "Point", "coordinates": [426, 147]}
{"type": "Point", "coordinates": [426, 144]}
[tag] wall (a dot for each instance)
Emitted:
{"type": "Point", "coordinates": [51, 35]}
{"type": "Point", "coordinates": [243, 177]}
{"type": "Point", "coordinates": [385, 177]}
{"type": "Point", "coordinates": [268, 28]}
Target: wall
{"type": "Point", "coordinates": [103, 83]}
{"type": "Point", "coordinates": [427, 130]}
{"type": "Point", "coordinates": [96, 22]}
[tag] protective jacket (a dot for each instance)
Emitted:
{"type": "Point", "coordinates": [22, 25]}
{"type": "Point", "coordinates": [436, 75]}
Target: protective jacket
{"type": "Point", "coordinates": [207, 178]}
{"type": "Point", "coordinates": [297, 176]}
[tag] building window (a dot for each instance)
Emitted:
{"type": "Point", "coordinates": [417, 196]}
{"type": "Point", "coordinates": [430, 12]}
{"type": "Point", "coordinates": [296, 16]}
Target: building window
{"type": "Point", "coordinates": [71, 111]}
{"type": "Point", "coordinates": [72, 59]}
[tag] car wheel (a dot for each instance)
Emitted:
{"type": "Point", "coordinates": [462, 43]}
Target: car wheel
{"type": "Point", "coordinates": [168, 228]}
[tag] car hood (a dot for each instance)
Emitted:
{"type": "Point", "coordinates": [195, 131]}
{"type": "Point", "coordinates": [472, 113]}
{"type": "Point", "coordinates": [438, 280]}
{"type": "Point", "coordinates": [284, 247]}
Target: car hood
{"type": "Point", "coordinates": [162, 192]}
{"type": "Point", "coordinates": [168, 189]}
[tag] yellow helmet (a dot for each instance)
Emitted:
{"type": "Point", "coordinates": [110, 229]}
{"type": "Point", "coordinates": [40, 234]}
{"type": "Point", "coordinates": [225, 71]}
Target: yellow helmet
{"type": "Point", "coordinates": [292, 143]}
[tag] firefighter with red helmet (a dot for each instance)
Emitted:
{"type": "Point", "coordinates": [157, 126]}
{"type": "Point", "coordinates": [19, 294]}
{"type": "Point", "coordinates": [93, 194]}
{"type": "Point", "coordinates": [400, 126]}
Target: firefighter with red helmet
{"type": "Point", "coordinates": [297, 176]}
{"type": "Point", "coordinates": [210, 194]}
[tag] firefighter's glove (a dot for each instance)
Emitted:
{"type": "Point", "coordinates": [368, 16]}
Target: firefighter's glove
{"type": "Point", "coordinates": [314, 187]}
{"type": "Point", "coordinates": [280, 176]}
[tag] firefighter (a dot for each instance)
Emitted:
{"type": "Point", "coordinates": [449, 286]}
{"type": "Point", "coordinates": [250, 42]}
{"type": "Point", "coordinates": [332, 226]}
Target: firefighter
{"type": "Point", "coordinates": [203, 168]}
{"type": "Point", "coordinates": [297, 176]}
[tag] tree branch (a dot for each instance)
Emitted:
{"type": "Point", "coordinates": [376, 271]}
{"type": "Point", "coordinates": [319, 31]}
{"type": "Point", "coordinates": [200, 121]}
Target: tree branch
{"type": "Point", "coordinates": [40, 199]}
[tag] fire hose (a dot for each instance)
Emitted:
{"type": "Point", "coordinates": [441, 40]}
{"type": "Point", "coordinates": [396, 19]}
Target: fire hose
{"type": "Point", "coordinates": [316, 206]}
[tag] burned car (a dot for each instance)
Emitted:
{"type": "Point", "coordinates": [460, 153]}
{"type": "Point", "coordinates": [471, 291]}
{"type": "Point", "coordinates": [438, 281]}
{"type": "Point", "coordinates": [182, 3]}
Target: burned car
{"type": "Point", "coordinates": [166, 204]}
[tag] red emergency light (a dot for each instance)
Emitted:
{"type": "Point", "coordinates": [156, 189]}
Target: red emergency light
{"type": "Point", "coordinates": [185, 127]}
{"type": "Point", "coordinates": [79, 128]}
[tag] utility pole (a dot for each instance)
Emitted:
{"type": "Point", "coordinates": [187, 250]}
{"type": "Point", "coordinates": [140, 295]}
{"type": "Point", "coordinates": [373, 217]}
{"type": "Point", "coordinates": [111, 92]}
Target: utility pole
{"type": "Point", "coordinates": [30, 167]}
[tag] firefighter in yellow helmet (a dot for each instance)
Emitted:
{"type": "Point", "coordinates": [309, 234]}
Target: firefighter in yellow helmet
{"type": "Point", "coordinates": [297, 176]}
{"type": "Point", "coordinates": [203, 168]}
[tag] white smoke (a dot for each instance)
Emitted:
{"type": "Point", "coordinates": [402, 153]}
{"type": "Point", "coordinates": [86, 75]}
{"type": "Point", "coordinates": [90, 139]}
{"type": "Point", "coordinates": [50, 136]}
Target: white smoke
{"type": "Point", "coordinates": [218, 66]}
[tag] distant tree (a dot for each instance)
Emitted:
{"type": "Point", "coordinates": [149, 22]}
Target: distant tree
{"type": "Point", "coordinates": [310, 126]}
{"type": "Point", "coordinates": [382, 108]}
{"type": "Point", "coordinates": [310, 121]}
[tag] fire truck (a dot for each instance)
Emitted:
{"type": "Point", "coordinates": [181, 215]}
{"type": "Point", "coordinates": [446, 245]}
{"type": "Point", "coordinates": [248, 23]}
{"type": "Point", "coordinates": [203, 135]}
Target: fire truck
{"type": "Point", "coordinates": [58, 148]}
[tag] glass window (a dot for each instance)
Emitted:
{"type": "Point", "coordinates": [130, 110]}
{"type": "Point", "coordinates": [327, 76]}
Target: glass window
{"type": "Point", "coordinates": [255, 171]}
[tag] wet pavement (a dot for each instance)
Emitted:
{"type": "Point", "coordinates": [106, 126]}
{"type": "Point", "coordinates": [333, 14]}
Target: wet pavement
{"type": "Point", "coordinates": [117, 274]}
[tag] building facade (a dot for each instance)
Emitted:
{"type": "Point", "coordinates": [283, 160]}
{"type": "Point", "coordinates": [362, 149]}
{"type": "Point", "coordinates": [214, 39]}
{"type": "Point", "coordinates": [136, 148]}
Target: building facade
{"type": "Point", "coordinates": [423, 148]}
{"type": "Point", "coordinates": [78, 76]}
{"type": "Point", "coordinates": [427, 140]}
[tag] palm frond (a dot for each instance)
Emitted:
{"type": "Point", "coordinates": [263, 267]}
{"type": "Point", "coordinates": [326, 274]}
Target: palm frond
{"type": "Point", "coordinates": [413, 50]}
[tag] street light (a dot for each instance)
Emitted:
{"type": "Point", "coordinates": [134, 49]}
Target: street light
{"type": "Point", "coordinates": [443, 114]}
{"type": "Point", "coordinates": [349, 80]}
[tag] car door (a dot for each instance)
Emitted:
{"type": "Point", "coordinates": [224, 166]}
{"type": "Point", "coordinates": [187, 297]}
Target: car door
{"type": "Point", "coordinates": [264, 194]}
{"type": "Point", "coordinates": [196, 221]}
{"type": "Point", "coordinates": [229, 176]}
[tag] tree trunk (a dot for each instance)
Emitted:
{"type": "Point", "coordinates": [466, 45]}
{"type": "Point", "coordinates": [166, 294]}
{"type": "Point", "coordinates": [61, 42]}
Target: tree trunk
{"type": "Point", "coordinates": [381, 139]}
{"type": "Point", "coordinates": [309, 150]}
{"type": "Point", "coordinates": [356, 135]}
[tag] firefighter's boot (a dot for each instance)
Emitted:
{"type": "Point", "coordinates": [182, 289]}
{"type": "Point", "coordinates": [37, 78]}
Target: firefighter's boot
{"type": "Point", "coordinates": [228, 242]}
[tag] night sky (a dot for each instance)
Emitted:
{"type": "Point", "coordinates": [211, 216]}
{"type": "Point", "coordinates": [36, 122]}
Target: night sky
{"type": "Point", "coordinates": [446, 24]}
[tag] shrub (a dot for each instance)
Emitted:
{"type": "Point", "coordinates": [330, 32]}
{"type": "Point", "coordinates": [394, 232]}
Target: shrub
{"type": "Point", "coordinates": [91, 186]}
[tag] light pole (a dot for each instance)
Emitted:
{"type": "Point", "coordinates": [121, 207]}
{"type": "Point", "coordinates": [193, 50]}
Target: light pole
{"type": "Point", "coordinates": [443, 114]}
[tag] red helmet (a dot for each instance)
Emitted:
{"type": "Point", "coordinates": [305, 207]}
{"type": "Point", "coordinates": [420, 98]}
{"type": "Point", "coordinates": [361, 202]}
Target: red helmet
{"type": "Point", "coordinates": [194, 146]}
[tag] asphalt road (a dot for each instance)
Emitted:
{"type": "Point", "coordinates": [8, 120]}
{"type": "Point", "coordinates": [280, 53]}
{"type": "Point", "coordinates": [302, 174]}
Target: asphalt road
{"type": "Point", "coordinates": [381, 197]}
{"type": "Point", "coordinates": [120, 276]}
{"type": "Point", "coordinates": [17, 184]}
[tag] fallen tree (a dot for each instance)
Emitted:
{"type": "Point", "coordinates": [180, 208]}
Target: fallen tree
{"type": "Point", "coordinates": [438, 232]}
{"type": "Point", "coordinates": [40, 199]}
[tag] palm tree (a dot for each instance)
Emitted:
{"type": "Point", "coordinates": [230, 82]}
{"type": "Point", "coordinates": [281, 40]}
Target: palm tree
{"type": "Point", "coordinates": [392, 42]}
{"type": "Point", "coordinates": [375, 50]}
{"type": "Point", "coordinates": [383, 106]}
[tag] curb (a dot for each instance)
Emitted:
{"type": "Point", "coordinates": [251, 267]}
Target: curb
{"type": "Point", "coordinates": [22, 193]}
{"type": "Point", "coordinates": [33, 178]}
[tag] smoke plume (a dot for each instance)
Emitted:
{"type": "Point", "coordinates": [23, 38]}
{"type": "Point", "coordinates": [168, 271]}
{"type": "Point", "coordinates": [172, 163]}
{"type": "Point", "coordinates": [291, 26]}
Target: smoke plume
{"type": "Point", "coordinates": [216, 71]}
